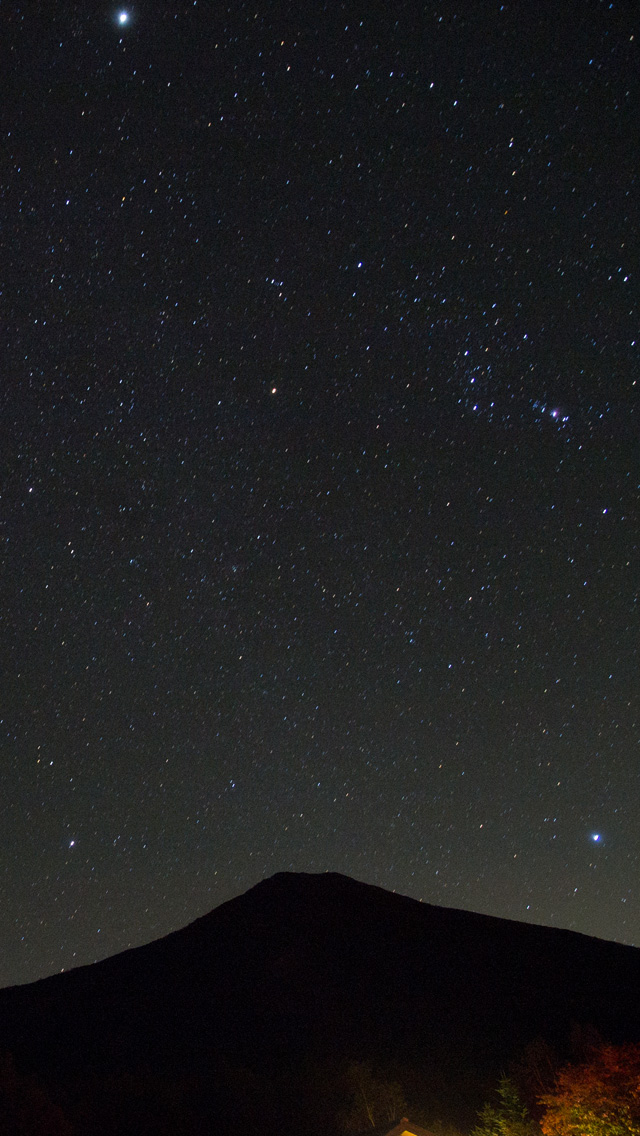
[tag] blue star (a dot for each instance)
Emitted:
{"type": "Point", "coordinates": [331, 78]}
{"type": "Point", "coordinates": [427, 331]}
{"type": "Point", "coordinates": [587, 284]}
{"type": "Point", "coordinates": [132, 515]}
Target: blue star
{"type": "Point", "coordinates": [123, 18]}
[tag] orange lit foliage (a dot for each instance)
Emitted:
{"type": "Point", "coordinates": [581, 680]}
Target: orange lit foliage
{"type": "Point", "coordinates": [600, 1097]}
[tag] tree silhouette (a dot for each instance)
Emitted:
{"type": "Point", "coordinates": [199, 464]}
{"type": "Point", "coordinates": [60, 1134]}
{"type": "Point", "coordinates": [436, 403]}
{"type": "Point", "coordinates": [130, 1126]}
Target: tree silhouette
{"type": "Point", "coordinates": [510, 1117]}
{"type": "Point", "coordinates": [374, 1100]}
{"type": "Point", "coordinates": [25, 1107]}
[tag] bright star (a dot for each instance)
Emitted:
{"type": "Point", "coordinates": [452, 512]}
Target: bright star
{"type": "Point", "coordinates": [123, 17]}
{"type": "Point", "coordinates": [595, 836]}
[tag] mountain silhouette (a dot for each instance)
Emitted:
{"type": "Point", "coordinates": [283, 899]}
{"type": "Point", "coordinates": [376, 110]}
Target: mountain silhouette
{"type": "Point", "coordinates": [307, 971]}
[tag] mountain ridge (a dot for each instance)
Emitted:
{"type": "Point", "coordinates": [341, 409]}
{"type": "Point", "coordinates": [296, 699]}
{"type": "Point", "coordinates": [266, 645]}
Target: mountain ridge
{"type": "Point", "coordinates": [278, 878]}
{"type": "Point", "coordinates": [317, 968]}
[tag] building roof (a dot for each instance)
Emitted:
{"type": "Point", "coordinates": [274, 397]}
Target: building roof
{"type": "Point", "coordinates": [404, 1127]}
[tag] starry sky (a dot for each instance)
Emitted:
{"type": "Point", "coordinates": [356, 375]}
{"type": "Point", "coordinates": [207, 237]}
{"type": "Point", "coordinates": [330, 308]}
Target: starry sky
{"type": "Point", "coordinates": [319, 461]}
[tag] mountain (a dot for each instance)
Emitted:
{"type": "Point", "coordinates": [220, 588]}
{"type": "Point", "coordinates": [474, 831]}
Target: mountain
{"type": "Point", "coordinates": [282, 986]}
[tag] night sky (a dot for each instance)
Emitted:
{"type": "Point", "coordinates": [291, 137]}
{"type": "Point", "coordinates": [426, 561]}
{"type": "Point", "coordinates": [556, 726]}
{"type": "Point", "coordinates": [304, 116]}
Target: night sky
{"type": "Point", "coordinates": [319, 463]}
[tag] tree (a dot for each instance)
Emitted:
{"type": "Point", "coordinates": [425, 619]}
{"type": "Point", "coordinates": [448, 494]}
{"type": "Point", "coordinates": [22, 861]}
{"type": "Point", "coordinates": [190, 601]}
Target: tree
{"type": "Point", "coordinates": [510, 1117]}
{"type": "Point", "coordinates": [374, 1101]}
{"type": "Point", "coordinates": [25, 1107]}
{"type": "Point", "coordinates": [598, 1097]}
{"type": "Point", "coordinates": [535, 1072]}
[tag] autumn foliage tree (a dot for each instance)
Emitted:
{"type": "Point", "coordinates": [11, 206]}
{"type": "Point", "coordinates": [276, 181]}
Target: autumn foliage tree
{"type": "Point", "coordinates": [598, 1097]}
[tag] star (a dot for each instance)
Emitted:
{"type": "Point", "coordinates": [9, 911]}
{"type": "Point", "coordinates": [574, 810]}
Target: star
{"type": "Point", "coordinates": [232, 504]}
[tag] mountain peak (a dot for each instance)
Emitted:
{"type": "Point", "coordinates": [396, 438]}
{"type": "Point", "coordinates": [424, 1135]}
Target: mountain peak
{"type": "Point", "coordinates": [324, 965]}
